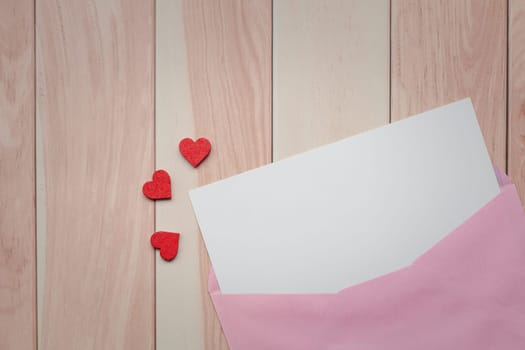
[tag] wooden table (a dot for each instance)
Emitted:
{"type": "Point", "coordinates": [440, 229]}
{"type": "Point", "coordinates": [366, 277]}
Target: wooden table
{"type": "Point", "coordinates": [96, 94]}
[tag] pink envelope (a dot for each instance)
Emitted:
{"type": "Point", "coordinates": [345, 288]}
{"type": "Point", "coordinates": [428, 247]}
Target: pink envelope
{"type": "Point", "coordinates": [467, 292]}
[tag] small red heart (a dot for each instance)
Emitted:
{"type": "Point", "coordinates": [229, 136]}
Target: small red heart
{"type": "Point", "coordinates": [195, 151]}
{"type": "Point", "coordinates": [160, 187]}
{"type": "Point", "coordinates": [167, 242]}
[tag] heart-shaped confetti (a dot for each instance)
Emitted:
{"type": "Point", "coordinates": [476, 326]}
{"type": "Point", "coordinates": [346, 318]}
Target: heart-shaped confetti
{"type": "Point", "coordinates": [159, 187]}
{"type": "Point", "coordinates": [195, 151]}
{"type": "Point", "coordinates": [167, 242]}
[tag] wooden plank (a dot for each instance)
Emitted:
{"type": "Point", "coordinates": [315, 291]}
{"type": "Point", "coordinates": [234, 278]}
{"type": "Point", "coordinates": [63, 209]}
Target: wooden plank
{"type": "Point", "coordinates": [179, 293]}
{"type": "Point", "coordinates": [331, 71]}
{"type": "Point", "coordinates": [17, 176]}
{"type": "Point", "coordinates": [516, 129]}
{"type": "Point", "coordinates": [446, 50]}
{"type": "Point", "coordinates": [214, 81]}
{"type": "Point", "coordinates": [95, 112]}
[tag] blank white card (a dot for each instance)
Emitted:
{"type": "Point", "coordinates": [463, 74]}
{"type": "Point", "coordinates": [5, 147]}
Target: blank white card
{"type": "Point", "coordinates": [349, 211]}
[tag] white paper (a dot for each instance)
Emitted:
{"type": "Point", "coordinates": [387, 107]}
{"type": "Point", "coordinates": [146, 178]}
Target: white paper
{"type": "Point", "coordinates": [349, 211]}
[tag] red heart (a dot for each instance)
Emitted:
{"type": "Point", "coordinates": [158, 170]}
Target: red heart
{"type": "Point", "coordinates": [195, 151]}
{"type": "Point", "coordinates": [160, 187]}
{"type": "Point", "coordinates": [167, 242]}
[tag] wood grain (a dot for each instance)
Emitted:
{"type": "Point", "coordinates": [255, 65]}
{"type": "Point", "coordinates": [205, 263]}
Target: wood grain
{"type": "Point", "coordinates": [95, 109]}
{"type": "Point", "coordinates": [214, 81]}
{"type": "Point", "coordinates": [179, 291]}
{"type": "Point", "coordinates": [446, 50]}
{"type": "Point", "coordinates": [95, 134]}
{"type": "Point", "coordinates": [17, 176]}
{"type": "Point", "coordinates": [516, 88]}
{"type": "Point", "coordinates": [331, 71]}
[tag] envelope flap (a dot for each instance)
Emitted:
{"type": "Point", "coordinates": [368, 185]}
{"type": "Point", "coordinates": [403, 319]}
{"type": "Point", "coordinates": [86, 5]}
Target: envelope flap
{"type": "Point", "coordinates": [466, 292]}
{"type": "Point", "coordinates": [503, 179]}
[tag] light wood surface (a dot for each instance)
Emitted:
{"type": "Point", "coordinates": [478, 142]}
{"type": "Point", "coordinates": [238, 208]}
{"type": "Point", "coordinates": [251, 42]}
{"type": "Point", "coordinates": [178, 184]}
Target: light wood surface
{"type": "Point", "coordinates": [446, 50]}
{"type": "Point", "coordinates": [516, 128]}
{"type": "Point", "coordinates": [17, 176]}
{"type": "Point", "coordinates": [179, 309]}
{"type": "Point", "coordinates": [95, 108]}
{"type": "Point", "coordinates": [330, 70]}
{"type": "Point", "coordinates": [120, 82]}
{"type": "Point", "coordinates": [213, 81]}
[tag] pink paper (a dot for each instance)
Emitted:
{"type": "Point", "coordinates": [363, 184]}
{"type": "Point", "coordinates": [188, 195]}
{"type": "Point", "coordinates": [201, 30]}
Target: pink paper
{"type": "Point", "coordinates": [467, 292]}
